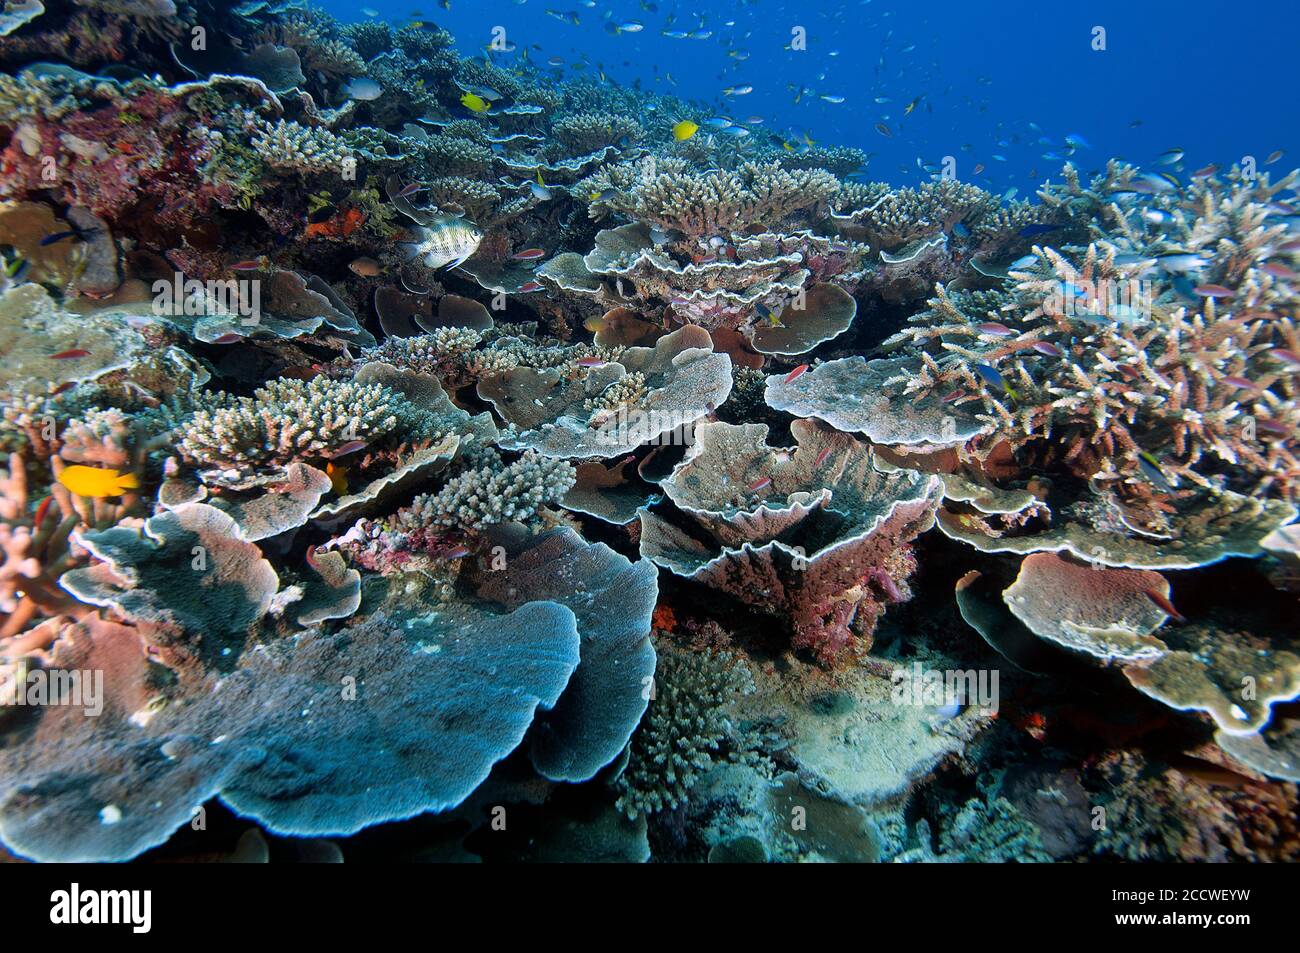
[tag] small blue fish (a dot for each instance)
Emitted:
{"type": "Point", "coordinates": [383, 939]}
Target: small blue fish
{"type": "Point", "coordinates": [1029, 231]}
{"type": "Point", "coordinates": [80, 234]}
{"type": "Point", "coordinates": [994, 378]}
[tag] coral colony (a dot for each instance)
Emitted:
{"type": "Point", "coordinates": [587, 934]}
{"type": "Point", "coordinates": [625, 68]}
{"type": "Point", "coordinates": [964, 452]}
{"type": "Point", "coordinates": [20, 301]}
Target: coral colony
{"type": "Point", "coordinates": [388, 433]}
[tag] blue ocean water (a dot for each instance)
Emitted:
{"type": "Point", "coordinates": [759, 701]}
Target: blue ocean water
{"type": "Point", "coordinates": [999, 84]}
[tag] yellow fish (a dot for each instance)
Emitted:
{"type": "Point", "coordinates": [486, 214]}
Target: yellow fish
{"type": "Point", "coordinates": [97, 482]}
{"type": "Point", "coordinates": [474, 103]}
{"type": "Point", "coordinates": [684, 130]}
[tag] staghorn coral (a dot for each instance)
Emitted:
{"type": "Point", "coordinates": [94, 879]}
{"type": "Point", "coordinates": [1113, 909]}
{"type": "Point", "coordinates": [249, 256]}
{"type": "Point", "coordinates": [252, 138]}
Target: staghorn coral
{"type": "Point", "coordinates": [1106, 378]}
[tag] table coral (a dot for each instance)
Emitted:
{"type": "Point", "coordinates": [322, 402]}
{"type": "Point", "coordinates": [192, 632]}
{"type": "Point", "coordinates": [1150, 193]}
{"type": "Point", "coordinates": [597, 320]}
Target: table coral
{"type": "Point", "coordinates": [817, 534]}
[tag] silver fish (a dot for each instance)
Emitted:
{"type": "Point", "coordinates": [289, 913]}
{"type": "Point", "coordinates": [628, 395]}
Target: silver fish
{"type": "Point", "coordinates": [364, 90]}
{"type": "Point", "coordinates": [1181, 263]}
{"type": "Point", "coordinates": [447, 241]}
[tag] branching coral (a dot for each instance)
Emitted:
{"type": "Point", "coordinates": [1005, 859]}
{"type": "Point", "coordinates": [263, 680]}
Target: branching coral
{"type": "Point", "coordinates": [35, 554]}
{"type": "Point", "coordinates": [666, 195]}
{"type": "Point", "coordinates": [476, 499]}
{"type": "Point", "coordinates": [690, 726]}
{"type": "Point", "coordinates": [288, 420]}
{"type": "Point", "coordinates": [1111, 380]}
{"type": "Point", "coordinates": [288, 145]}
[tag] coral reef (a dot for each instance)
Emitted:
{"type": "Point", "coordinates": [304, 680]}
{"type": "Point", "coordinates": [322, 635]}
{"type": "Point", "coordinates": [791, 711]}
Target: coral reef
{"type": "Point", "coordinates": [367, 407]}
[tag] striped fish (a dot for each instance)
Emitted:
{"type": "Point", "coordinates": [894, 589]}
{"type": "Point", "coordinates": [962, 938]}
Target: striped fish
{"type": "Point", "coordinates": [447, 241]}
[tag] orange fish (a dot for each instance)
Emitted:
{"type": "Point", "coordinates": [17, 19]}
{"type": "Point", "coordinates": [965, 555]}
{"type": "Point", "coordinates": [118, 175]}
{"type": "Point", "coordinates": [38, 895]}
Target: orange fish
{"type": "Point", "coordinates": [338, 478]}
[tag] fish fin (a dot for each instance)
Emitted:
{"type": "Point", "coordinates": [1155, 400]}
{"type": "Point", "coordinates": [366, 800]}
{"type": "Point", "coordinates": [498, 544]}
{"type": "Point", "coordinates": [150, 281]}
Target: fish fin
{"type": "Point", "coordinates": [127, 481]}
